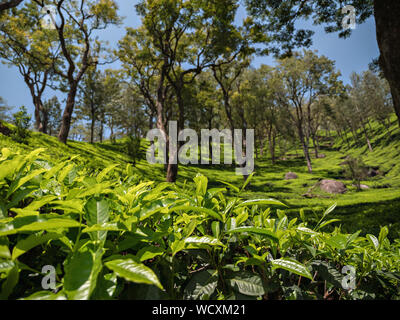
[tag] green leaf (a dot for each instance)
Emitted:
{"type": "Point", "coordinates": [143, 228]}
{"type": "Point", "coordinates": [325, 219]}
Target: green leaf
{"type": "Point", "coordinates": [10, 283]}
{"type": "Point", "coordinates": [201, 285]}
{"type": "Point", "coordinates": [292, 266]}
{"type": "Point", "coordinates": [216, 229]}
{"type": "Point", "coordinates": [209, 212]}
{"type": "Point", "coordinates": [102, 174]}
{"type": "Point", "coordinates": [326, 223]}
{"type": "Point", "coordinates": [4, 250]}
{"type": "Point", "coordinates": [97, 214]}
{"type": "Point", "coordinates": [81, 272]}
{"type": "Point", "coordinates": [199, 241]}
{"type": "Point", "coordinates": [201, 185]}
{"type": "Point", "coordinates": [236, 189]}
{"type": "Point", "coordinates": [249, 178]}
{"type": "Point", "coordinates": [259, 231]}
{"type": "Point", "coordinates": [382, 235]}
{"type": "Point", "coordinates": [248, 283]}
{"type": "Point", "coordinates": [338, 241]}
{"type": "Point", "coordinates": [32, 241]}
{"type": "Point", "coordinates": [6, 266]}
{"type": "Point", "coordinates": [148, 253]}
{"type": "Point", "coordinates": [328, 272]}
{"type": "Point", "coordinates": [20, 182]}
{"type": "Point", "coordinates": [261, 202]}
{"type": "Point", "coordinates": [106, 287]}
{"type": "Point", "coordinates": [374, 241]}
{"type": "Point", "coordinates": [133, 271]}
{"type": "Point", "coordinates": [46, 295]}
{"type": "Point", "coordinates": [36, 223]}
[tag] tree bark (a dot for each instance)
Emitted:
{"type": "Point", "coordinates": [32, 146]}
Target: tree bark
{"type": "Point", "coordinates": [387, 21]}
{"type": "Point", "coordinates": [4, 5]}
{"type": "Point", "coordinates": [67, 116]}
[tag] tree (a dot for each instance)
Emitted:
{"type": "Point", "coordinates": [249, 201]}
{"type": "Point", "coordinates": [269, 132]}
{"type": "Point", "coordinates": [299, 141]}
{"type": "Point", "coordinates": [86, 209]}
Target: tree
{"type": "Point", "coordinates": [21, 119]}
{"type": "Point", "coordinates": [278, 18]}
{"type": "Point", "coordinates": [52, 108]}
{"type": "Point", "coordinates": [184, 38]}
{"type": "Point", "coordinates": [4, 110]}
{"type": "Point", "coordinates": [79, 20]}
{"type": "Point", "coordinates": [24, 43]}
{"type": "Point", "coordinates": [8, 4]}
{"type": "Point", "coordinates": [299, 81]}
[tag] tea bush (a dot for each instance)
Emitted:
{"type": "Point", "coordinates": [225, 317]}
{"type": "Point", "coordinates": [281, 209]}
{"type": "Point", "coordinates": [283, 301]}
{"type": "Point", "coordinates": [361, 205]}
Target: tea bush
{"type": "Point", "coordinates": [111, 236]}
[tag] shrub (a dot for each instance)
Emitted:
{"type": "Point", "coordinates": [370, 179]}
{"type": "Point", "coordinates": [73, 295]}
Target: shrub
{"type": "Point", "coordinates": [356, 170]}
{"type": "Point", "coordinates": [21, 120]}
{"type": "Point", "coordinates": [132, 147]}
{"type": "Point", "coordinates": [146, 241]}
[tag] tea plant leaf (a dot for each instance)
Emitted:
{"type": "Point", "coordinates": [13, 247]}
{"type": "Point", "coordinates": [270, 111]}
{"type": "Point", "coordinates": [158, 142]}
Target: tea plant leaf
{"type": "Point", "coordinates": [97, 214]}
{"type": "Point", "coordinates": [248, 284]}
{"type": "Point", "coordinates": [203, 240]}
{"type": "Point", "coordinates": [81, 272]}
{"type": "Point", "coordinates": [32, 241]}
{"type": "Point", "coordinates": [201, 285]}
{"type": "Point", "coordinates": [148, 253]}
{"type": "Point", "coordinates": [253, 230]}
{"type": "Point", "coordinates": [21, 181]}
{"type": "Point", "coordinates": [10, 283]}
{"type": "Point", "coordinates": [374, 241]}
{"type": "Point", "coordinates": [133, 271]}
{"type": "Point", "coordinates": [209, 212]}
{"type": "Point", "coordinates": [292, 266]}
{"type": "Point", "coordinates": [261, 202]}
{"type": "Point", "coordinates": [46, 295]}
{"type": "Point", "coordinates": [201, 185]}
{"type": "Point", "coordinates": [36, 223]}
{"type": "Point", "coordinates": [6, 266]}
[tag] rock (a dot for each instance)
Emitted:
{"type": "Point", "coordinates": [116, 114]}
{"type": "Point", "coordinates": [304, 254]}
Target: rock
{"type": "Point", "coordinates": [290, 176]}
{"type": "Point", "coordinates": [321, 156]}
{"type": "Point", "coordinates": [332, 186]}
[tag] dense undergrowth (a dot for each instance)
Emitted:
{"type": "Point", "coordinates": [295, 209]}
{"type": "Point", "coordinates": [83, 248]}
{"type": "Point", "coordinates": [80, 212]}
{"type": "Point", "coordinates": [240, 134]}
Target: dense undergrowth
{"type": "Point", "coordinates": [110, 235]}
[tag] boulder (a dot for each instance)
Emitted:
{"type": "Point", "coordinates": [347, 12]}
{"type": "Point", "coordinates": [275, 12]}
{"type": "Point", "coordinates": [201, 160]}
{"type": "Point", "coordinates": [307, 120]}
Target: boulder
{"type": "Point", "coordinates": [290, 176]}
{"type": "Point", "coordinates": [332, 186]}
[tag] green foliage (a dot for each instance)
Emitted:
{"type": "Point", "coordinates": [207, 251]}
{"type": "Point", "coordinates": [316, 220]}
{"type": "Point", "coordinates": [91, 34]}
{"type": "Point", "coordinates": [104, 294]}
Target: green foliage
{"type": "Point", "coordinates": [356, 170]}
{"type": "Point", "coordinates": [132, 146]}
{"type": "Point", "coordinates": [111, 236]}
{"type": "Point", "coordinates": [21, 120]}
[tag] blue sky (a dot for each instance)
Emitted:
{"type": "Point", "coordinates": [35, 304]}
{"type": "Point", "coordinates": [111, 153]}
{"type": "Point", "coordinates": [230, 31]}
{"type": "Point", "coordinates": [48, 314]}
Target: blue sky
{"type": "Point", "coordinates": [351, 55]}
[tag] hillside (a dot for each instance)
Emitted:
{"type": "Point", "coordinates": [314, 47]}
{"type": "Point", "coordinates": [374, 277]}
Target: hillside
{"type": "Point", "coordinates": [367, 210]}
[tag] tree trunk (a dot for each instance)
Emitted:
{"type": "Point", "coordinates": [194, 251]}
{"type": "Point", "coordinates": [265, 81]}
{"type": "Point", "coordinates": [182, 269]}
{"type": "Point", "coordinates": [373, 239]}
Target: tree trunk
{"type": "Point", "coordinates": [67, 116]}
{"type": "Point", "coordinates": [387, 21]}
{"type": "Point", "coordinates": [101, 134]}
{"type": "Point", "coordinates": [305, 150]}
{"type": "Point", "coordinates": [316, 146]}
{"type": "Point", "coordinates": [368, 141]}
{"type": "Point", "coordinates": [92, 128]}
{"type": "Point", "coordinates": [271, 142]}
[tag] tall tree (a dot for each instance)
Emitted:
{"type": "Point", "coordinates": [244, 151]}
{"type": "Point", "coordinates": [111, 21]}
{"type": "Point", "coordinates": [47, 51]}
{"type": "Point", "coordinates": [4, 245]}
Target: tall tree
{"type": "Point", "coordinates": [300, 80]}
{"type": "Point", "coordinates": [24, 43]}
{"type": "Point", "coordinates": [278, 18]}
{"type": "Point", "coordinates": [78, 20]}
{"type": "Point", "coordinates": [186, 37]}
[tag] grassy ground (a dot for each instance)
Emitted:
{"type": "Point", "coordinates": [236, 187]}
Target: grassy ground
{"type": "Point", "coordinates": [366, 210]}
